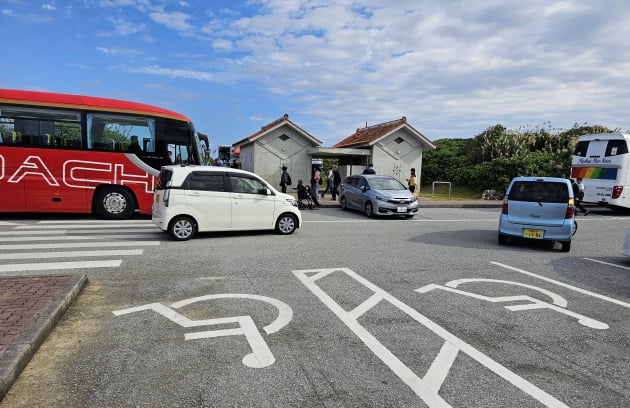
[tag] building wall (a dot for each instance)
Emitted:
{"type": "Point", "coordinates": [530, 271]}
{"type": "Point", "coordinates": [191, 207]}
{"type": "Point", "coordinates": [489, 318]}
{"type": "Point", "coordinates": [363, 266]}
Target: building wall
{"type": "Point", "coordinates": [280, 147]}
{"type": "Point", "coordinates": [397, 154]}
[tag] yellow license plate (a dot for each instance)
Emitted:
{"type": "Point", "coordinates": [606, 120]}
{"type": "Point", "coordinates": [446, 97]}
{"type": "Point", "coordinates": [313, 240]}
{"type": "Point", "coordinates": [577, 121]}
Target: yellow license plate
{"type": "Point", "coordinates": [533, 233]}
{"type": "Point", "coordinates": [156, 199]}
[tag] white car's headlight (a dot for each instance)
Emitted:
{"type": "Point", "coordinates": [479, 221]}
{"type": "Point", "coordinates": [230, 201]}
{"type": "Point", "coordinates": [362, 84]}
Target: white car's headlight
{"type": "Point", "coordinates": [381, 198]}
{"type": "Point", "coordinates": [292, 201]}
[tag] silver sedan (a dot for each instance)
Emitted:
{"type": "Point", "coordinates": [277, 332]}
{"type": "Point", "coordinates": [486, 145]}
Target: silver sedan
{"type": "Point", "coordinates": [377, 195]}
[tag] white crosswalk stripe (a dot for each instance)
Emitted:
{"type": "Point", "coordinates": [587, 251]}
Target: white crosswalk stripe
{"type": "Point", "coordinates": [90, 243]}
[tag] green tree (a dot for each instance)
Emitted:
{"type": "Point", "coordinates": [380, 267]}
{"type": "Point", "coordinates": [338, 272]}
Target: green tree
{"type": "Point", "coordinates": [492, 158]}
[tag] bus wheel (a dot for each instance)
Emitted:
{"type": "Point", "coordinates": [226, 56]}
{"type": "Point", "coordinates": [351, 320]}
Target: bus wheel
{"type": "Point", "coordinates": [115, 203]}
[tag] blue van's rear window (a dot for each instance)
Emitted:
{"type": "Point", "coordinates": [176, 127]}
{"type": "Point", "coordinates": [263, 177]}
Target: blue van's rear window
{"type": "Point", "coordinates": [546, 192]}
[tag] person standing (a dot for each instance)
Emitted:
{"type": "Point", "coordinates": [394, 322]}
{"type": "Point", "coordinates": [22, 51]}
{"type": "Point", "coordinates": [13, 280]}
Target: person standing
{"type": "Point", "coordinates": [329, 182]}
{"type": "Point", "coordinates": [412, 181]}
{"type": "Point", "coordinates": [580, 196]}
{"type": "Point", "coordinates": [315, 181]}
{"type": "Point", "coordinates": [285, 179]}
{"type": "Point", "coordinates": [370, 169]}
{"type": "Point", "coordinates": [336, 182]}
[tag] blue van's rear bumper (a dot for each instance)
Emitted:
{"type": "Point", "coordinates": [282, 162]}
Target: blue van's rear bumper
{"type": "Point", "coordinates": [551, 233]}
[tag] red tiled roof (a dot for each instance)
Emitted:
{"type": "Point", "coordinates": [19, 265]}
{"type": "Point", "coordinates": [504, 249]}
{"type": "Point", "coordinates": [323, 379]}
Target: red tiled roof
{"type": "Point", "coordinates": [368, 135]}
{"type": "Point", "coordinates": [274, 124]}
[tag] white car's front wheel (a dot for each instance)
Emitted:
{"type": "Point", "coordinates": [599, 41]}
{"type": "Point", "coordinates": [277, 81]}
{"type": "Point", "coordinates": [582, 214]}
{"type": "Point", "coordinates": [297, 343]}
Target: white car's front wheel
{"type": "Point", "coordinates": [287, 224]}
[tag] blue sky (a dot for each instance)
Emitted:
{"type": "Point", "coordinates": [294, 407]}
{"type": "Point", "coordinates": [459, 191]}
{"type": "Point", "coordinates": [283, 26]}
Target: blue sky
{"type": "Point", "coordinates": [453, 68]}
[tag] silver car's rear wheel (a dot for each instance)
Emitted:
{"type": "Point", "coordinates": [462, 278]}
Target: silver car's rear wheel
{"type": "Point", "coordinates": [182, 228]}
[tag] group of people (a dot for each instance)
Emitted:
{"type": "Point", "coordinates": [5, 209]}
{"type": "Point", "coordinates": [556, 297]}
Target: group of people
{"type": "Point", "coordinates": [333, 180]}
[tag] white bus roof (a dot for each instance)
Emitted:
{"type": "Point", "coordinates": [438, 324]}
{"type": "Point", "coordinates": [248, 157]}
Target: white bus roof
{"type": "Point", "coordinates": [604, 136]}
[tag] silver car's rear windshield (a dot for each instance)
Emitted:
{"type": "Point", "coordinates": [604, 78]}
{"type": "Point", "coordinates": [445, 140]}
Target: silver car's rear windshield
{"type": "Point", "coordinates": [546, 192]}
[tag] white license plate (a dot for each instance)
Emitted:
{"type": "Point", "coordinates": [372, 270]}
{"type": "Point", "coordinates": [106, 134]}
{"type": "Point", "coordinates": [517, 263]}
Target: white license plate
{"type": "Point", "coordinates": [401, 209]}
{"type": "Point", "coordinates": [533, 233]}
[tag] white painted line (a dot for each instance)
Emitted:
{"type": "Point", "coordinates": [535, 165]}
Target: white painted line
{"type": "Point", "coordinates": [70, 238]}
{"type": "Point", "coordinates": [6, 223]}
{"type": "Point", "coordinates": [564, 285]}
{"type": "Point", "coordinates": [59, 265]}
{"type": "Point", "coordinates": [437, 373]}
{"type": "Point", "coordinates": [607, 263]}
{"type": "Point", "coordinates": [70, 254]}
{"type": "Point", "coordinates": [78, 245]}
{"type": "Point", "coordinates": [121, 230]}
{"type": "Point", "coordinates": [14, 233]}
{"type": "Point", "coordinates": [359, 221]}
{"type": "Point", "coordinates": [120, 222]}
{"type": "Point", "coordinates": [365, 306]}
{"type": "Point", "coordinates": [49, 232]}
{"type": "Point", "coordinates": [72, 226]}
{"type": "Point", "coordinates": [424, 389]}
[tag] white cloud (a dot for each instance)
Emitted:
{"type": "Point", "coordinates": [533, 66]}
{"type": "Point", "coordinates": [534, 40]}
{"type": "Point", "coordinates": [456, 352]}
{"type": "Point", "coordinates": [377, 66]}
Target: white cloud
{"type": "Point", "coordinates": [49, 7]}
{"type": "Point", "coordinates": [174, 73]}
{"type": "Point", "coordinates": [174, 20]}
{"type": "Point", "coordinates": [123, 27]}
{"type": "Point", "coordinates": [8, 12]}
{"type": "Point", "coordinates": [489, 60]}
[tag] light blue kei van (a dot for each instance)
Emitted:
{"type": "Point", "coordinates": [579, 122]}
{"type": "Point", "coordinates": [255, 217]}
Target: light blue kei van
{"type": "Point", "coordinates": [539, 208]}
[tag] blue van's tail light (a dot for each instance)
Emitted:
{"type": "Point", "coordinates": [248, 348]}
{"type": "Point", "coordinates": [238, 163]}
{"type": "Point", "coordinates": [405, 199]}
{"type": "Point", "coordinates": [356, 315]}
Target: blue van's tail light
{"type": "Point", "coordinates": [570, 210]}
{"type": "Point", "coordinates": [504, 208]}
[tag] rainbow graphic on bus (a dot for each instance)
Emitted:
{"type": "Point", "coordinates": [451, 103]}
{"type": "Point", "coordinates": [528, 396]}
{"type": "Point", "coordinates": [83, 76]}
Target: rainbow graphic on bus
{"type": "Point", "coordinates": [598, 173]}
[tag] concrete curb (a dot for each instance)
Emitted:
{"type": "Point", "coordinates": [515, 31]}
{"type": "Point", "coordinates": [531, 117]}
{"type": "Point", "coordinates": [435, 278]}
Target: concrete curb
{"type": "Point", "coordinates": [15, 358]}
{"type": "Point", "coordinates": [427, 203]}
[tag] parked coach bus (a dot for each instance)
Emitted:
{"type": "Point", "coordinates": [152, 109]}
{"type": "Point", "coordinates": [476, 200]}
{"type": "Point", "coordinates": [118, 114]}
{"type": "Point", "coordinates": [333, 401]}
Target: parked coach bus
{"type": "Point", "coordinates": [80, 154]}
{"type": "Point", "coordinates": [603, 162]}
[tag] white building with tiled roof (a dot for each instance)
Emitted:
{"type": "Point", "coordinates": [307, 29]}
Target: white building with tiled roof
{"type": "Point", "coordinates": [280, 143]}
{"type": "Point", "coordinates": [393, 147]}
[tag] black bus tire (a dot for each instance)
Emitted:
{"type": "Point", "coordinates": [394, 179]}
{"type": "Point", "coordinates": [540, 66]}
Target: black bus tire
{"type": "Point", "coordinates": [114, 203]}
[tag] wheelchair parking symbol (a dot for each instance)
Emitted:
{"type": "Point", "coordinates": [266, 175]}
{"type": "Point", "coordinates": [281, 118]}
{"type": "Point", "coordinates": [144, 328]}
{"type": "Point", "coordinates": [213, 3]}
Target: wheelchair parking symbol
{"type": "Point", "coordinates": [558, 303]}
{"type": "Point", "coordinates": [260, 356]}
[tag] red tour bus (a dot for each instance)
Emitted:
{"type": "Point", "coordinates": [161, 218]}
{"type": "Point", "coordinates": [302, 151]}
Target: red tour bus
{"type": "Point", "coordinates": [80, 154]}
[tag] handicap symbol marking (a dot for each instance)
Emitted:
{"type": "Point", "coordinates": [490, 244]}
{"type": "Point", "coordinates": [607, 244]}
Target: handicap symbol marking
{"type": "Point", "coordinates": [260, 356]}
{"type": "Point", "coordinates": [427, 387]}
{"type": "Point", "coordinates": [558, 303]}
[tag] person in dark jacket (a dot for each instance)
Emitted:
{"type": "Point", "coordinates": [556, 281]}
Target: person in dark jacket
{"type": "Point", "coordinates": [336, 182]}
{"type": "Point", "coordinates": [285, 179]}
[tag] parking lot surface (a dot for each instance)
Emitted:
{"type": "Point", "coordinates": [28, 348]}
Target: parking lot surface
{"type": "Point", "coordinates": [348, 311]}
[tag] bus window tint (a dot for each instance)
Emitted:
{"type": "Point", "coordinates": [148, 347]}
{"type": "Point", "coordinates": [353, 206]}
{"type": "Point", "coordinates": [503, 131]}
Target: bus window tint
{"type": "Point", "coordinates": [44, 127]}
{"type": "Point", "coordinates": [117, 132]}
{"type": "Point", "coordinates": [581, 148]}
{"type": "Point", "coordinates": [616, 147]}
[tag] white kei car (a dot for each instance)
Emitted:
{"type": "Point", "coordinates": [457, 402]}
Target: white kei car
{"type": "Point", "coordinates": [191, 199]}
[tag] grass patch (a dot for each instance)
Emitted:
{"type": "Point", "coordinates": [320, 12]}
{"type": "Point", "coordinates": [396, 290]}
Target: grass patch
{"type": "Point", "coordinates": [440, 192]}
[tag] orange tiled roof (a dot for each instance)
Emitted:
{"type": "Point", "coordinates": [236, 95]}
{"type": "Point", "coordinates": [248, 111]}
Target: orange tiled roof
{"type": "Point", "coordinates": [368, 135]}
{"type": "Point", "coordinates": [272, 125]}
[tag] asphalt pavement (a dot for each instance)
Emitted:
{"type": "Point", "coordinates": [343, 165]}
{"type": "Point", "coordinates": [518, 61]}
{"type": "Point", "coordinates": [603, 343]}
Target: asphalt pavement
{"type": "Point", "coordinates": [31, 306]}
